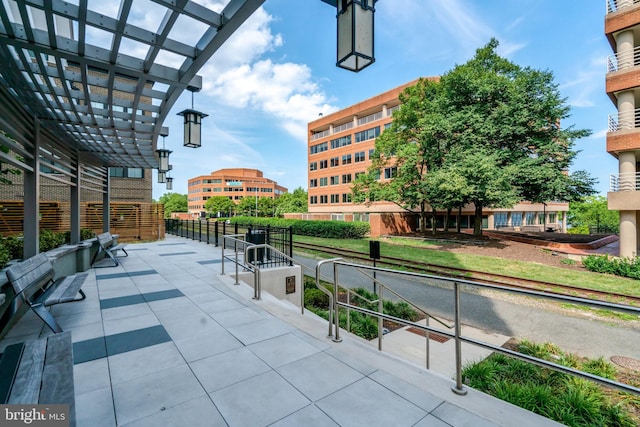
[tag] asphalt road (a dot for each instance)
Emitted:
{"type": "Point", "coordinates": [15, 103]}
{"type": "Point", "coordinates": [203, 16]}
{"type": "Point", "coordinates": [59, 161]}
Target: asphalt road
{"type": "Point", "coordinates": [520, 317]}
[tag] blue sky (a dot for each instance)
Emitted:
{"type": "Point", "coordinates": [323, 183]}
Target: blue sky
{"type": "Point", "coordinates": [278, 72]}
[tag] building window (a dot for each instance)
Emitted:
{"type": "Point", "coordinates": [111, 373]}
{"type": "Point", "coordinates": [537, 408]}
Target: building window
{"type": "Point", "coordinates": [346, 159]}
{"type": "Point", "coordinates": [313, 166]}
{"type": "Point", "coordinates": [341, 142]}
{"type": "Point", "coordinates": [500, 219]}
{"type": "Point", "coordinates": [346, 178]}
{"type": "Point", "coordinates": [324, 199]}
{"type": "Point", "coordinates": [318, 148]}
{"type": "Point", "coordinates": [390, 172]}
{"type": "Point", "coordinates": [371, 153]}
{"type": "Point", "coordinates": [370, 118]}
{"type": "Point", "coordinates": [357, 174]}
{"type": "Point", "coordinates": [530, 218]}
{"type": "Point", "coordinates": [516, 219]}
{"type": "Point", "coordinates": [368, 134]}
{"type": "Point", "coordinates": [323, 182]}
{"type": "Point", "coordinates": [346, 198]}
{"type": "Point", "coordinates": [552, 218]}
{"type": "Point", "coordinates": [323, 164]}
{"type": "Point", "coordinates": [217, 190]}
{"type": "Point", "coordinates": [335, 161]}
{"type": "Point", "coordinates": [335, 180]}
{"type": "Point", "coordinates": [126, 172]}
{"type": "Point", "coordinates": [359, 157]}
{"type": "Point", "coordinates": [313, 183]}
{"type": "Point", "coordinates": [335, 198]}
{"type": "Point", "coordinates": [313, 200]}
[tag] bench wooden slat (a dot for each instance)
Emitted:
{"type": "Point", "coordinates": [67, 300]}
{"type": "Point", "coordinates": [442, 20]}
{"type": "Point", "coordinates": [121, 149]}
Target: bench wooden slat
{"type": "Point", "coordinates": [64, 289]}
{"type": "Point", "coordinates": [37, 270]}
{"type": "Point", "coordinates": [26, 386]}
{"type": "Point", "coordinates": [9, 363]}
{"type": "Point", "coordinates": [57, 377]}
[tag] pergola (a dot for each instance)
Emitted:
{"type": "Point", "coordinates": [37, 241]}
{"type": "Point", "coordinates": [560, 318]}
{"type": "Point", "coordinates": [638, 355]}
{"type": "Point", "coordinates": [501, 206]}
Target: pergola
{"type": "Point", "coordinates": [76, 108]}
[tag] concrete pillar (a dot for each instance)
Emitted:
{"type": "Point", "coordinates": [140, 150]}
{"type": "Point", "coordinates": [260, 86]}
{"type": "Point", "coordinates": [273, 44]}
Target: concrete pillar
{"type": "Point", "coordinates": [624, 49]}
{"type": "Point", "coordinates": [106, 207]}
{"type": "Point", "coordinates": [627, 170]}
{"type": "Point", "coordinates": [628, 234]}
{"type": "Point", "coordinates": [626, 109]}
{"type": "Point", "coordinates": [74, 199]}
{"type": "Point", "coordinates": [31, 224]}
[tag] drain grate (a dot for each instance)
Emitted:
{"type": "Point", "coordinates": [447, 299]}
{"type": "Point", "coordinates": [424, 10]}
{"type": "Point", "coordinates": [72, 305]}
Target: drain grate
{"type": "Point", "coordinates": [435, 337]}
{"type": "Point", "coordinates": [626, 362]}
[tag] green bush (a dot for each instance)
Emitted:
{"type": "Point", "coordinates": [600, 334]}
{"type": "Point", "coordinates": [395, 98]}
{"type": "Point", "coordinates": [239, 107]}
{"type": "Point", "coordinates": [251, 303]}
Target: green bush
{"type": "Point", "coordinates": [327, 229]}
{"type": "Point", "coordinates": [50, 240]}
{"type": "Point", "coordinates": [14, 245]}
{"type": "Point", "coordinates": [625, 267]}
{"type": "Point", "coordinates": [570, 400]}
{"type": "Point", "coordinates": [5, 256]}
{"type": "Point", "coordinates": [314, 297]}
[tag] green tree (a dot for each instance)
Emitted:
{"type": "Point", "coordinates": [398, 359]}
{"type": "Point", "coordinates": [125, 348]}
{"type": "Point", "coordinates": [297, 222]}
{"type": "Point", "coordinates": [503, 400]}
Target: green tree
{"type": "Point", "coordinates": [295, 202]}
{"type": "Point", "coordinates": [492, 125]}
{"type": "Point", "coordinates": [266, 207]}
{"type": "Point", "coordinates": [219, 204]}
{"type": "Point", "coordinates": [591, 212]}
{"type": "Point", "coordinates": [247, 206]}
{"type": "Point", "coordinates": [173, 202]}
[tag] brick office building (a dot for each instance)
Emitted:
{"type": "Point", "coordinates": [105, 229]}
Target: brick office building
{"type": "Point", "coordinates": [622, 22]}
{"type": "Point", "coordinates": [340, 147]}
{"type": "Point", "coordinates": [234, 183]}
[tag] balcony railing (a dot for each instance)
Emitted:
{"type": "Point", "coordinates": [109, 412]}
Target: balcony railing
{"type": "Point", "coordinates": [624, 120]}
{"type": "Point", "coordinates": [622, 60]}
{"type": "Point", "coordinates": [624, 182]}
{"type": "Point", "coordinates": [616, 5]}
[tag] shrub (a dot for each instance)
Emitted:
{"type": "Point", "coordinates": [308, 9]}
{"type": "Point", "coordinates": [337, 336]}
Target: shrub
{"type": "Point", "coordinates": [327, 229]}
{"type": "Point", "coordinates": [15, 247]}
{"type": "Point", "coordinates": [625, 267]}
{"type": "Point", "coordinates": [5, 257]}
{"type": "Point", "coordinates": [50, 240]}
{"type": "Point", "coordinates": [314, 297]}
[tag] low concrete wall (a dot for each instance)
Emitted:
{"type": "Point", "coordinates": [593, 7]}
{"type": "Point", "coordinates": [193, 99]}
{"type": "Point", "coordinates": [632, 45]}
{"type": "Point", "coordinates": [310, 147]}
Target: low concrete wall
{"type": "Point", "coordinates": [67, 259]}
{"type": "Point", "coordinates": [284, 283]}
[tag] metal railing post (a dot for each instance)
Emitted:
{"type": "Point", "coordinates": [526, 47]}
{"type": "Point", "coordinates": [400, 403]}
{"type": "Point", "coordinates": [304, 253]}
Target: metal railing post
{"type": "Point", "coordinates": [458, 389]}
{"type": "Point", "coordinates": [380, 319]}
{"type": "Point", "coordinates": [235, 244]}
{"type": "Point", "coordinates": [215, 230]}
{"type": "Point", "coordinates": [290, 244]}
{"type": "Point", "coordinates": [224, 241]}
{"type": "Point", "coordinates": [208, 222]}
{"type": "Point", "coordinates": [427, 344]}
{"type": "Point", "coordinates": [335, 304]}
{"type": "Point", "coordinates": [199, 230]}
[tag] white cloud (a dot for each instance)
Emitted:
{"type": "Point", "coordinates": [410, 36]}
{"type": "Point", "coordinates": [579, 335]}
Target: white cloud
{"type": "Point", "coordinates": [237, 76]}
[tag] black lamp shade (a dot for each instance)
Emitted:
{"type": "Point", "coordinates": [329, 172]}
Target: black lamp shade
{"type": "Point", "coordinates": [163, 159]}
{"type": "Point", "coordinates": [169, 183]}
{"type": "Point", "coordinates": [192, 127]}
{"type": "Point", "coordinates": [355, 34]}
{"type": "Point", "coordinates": [162, 177]}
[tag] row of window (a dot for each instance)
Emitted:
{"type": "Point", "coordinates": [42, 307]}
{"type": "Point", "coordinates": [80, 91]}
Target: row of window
{"type": "Point", "coordinates": [126, 172]}
{"type": "Point", "coordinates": [361, 121]}
{"type": "Point", "coordinates": [336, 161]}
{"type": "Point", "coordinates": [501, 219]}
{"type": "Point", "coordinates": [347, 178]}
{"type": "Point", "coordinates": [343, 141]}
{"type": "Point", "coordinates": [335, 198]}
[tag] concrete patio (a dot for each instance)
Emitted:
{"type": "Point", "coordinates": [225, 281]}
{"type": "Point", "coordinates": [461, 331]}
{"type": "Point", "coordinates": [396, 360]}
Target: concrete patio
{"type": "Point", "coordinates": [165, 340]}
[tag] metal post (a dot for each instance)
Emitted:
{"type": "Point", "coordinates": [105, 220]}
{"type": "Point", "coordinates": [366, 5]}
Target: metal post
{"type": "Point", "coordinates": [256, 275]}
{"type": "Point", "coordinates": [235, 244]}
{"type": "Point", "coordinates": [216, 233]}
{"type": "Point", "coordinates": [458, 389]}
{"type": "Point", "coordinates": [199, 230]}
{"type": "Point", "coordinates": [335, 303]}
{"type": "Point", "coordinates": [290, 245]}
{"type": "Point", "coordinates": [224, 241]}
{"type": "Point", "coordinates": [427, 345]}
{"type": "Point", "coordinates": [380, 319]}
{"type": "Point", "coordinates": [375, 284]}
{"type": "Point", "coordinates": [208, 231]}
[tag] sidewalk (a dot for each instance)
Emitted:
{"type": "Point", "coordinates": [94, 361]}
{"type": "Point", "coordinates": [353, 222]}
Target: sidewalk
{"type": "Point", "coordinates": [164, 339]}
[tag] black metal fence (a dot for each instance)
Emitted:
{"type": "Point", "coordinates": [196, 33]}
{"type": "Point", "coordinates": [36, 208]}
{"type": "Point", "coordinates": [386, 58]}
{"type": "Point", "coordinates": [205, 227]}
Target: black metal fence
{"type": "Point", "coordinates": [212, 233]}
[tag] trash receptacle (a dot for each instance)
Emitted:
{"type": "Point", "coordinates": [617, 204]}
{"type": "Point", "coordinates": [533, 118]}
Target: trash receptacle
{"type": "Point", "coordinates": [256, 237]}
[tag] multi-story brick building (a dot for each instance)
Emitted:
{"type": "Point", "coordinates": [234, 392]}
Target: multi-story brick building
{"type": "Point", "coordinates": [235, 183]}
{"type": "Point", "coordinates": [622, 23]}
{"type": "Point", "coordinates": [340, 148]}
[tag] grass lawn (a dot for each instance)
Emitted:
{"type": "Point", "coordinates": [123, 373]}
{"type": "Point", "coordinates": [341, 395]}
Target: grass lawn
{"type": "Point", "coordinates": [406, 249]}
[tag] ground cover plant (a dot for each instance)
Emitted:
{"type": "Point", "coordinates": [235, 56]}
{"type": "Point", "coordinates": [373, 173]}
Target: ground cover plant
{"type": "Point", "coordinates": [570, 400]}
{"type": "Point", "coordinates": [625, 267]}
{"type": "Point", "coordinates": [406, 249]}
{"type": "Point", "coordinates": [359, 324]}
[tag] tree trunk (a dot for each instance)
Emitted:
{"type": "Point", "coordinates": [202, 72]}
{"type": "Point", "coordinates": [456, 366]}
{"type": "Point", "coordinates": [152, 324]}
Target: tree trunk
{"type": "Point", "coordinates": [433, 221]}
{"type": "Point", "coordinates": [477, 220]}
{"type": "Point", "coordinates": [446, 220]}
{"type": "Point", "coordinates": [423, 219]}
{"type": "Point", "coordinates": [458, 219]}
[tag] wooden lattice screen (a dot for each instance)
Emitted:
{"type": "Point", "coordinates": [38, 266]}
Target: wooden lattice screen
{"type": "Point", "coordinates": [132, 221]}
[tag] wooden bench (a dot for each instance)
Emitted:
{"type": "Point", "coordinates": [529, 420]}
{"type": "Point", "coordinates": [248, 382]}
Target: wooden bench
{"type": "Point", "coordinates": [107, 245]}
{"type": "Point", "coordinates": [32, 280]}
{"type": "Point", "coordinates": [39, 372]}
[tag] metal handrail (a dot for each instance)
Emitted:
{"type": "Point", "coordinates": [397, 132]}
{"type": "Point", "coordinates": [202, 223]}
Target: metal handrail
{"type": "Point", "coordinates": [624, 182]}
{"type": "Point", "coordinates": [623, 59]}
{"type": "Point", "coordinates": [616, 5]}
{"type": "Point", "coordinates": [457, 334]}
{"type": "Point", "coordinates": [623, 120]}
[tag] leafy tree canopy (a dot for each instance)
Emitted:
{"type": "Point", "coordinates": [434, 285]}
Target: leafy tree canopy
{"type": "Point", "coordinates": [592, 212]}
{"type": "Point", "coordinates": [488, 133]}
{"type": "Point", "coordinates": [219, 204]}
{"type": "Point", "coordinates": [173, 202]}
{"type": "Point", "coordinates": [292, 202]}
